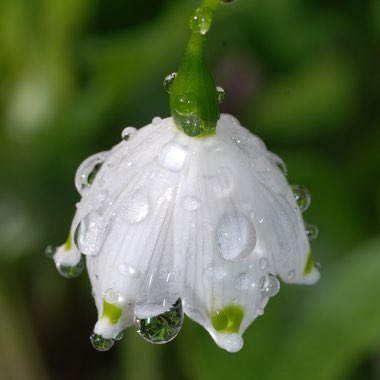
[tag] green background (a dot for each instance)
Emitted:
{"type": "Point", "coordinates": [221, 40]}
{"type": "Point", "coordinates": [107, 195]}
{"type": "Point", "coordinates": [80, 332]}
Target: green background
{"type": "Point", "coordinates": [302, 74]}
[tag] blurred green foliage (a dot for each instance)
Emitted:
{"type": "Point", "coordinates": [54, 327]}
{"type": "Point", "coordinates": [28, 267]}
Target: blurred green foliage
{"type": "Point", "coordinates": [304, 75]}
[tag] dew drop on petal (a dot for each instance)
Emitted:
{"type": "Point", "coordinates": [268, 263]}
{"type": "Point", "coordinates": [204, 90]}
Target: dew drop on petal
{"type": "Point", "coordinates": [200, 22]}
{"type": "Point", "coordinates": [137, 207]}
{"type": "Point", "coordinates": [312, 231]}
{"type": "Point", "coordinates": [168, 82]}
{"type": "Point", "coordinates": [71, 271]}
{"type": "Point", "coordinates": [156, 120]}
{"type": "Point", "coordinates": [291, 275]}
{"type": "Point", "coordinates": [127, 269]}
{"type": "Point", "coordinates": [264, 263]}
{"type": "Point", "coordinates": [172, 156]}
{"type": "Point", "coordinates": [128, 133]}
{"type": "Point", "coordinates": [269, 285]}
{"type": "Point", "coordinates": [88, 235]}
{"type": "Point", "coordinates": [100, 343]}
{"type": "Point", "coordinates": [163, 327]}
{"type": "Point", "coordinates": [111, 296]}
{"type": "Point", "coordinates": [301, 196]}
{"type": "Point", "coordinates": [221, 94]}
{"type": "Point", "coordinates": [50, 251]}
{"type": "Point", "coordinates": [236, 236]}
{"type": "Point", "coordinates": [243, 281]}
{"type": "Point", "coordinates": [191, 203]}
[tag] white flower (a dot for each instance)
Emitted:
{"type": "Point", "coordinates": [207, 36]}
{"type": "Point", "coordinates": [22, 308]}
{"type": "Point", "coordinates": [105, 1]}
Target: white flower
{"type": "Point", "coordinates": [172, 224]}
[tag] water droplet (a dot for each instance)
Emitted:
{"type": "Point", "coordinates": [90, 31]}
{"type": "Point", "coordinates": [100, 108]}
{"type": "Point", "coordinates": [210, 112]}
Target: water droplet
{"type": "Point", "coordinates": [71, 271]}
{"type": "Point", "coordinates": [221, 94]}
{"type": "Point", "coordinates": [232, 342]}
{"type": "Point", "coordinates": [312, 231]}
{"type": "Point", "coordinates": [50, 251]}
{"type": "Point", "coordinates": [88, 236]}
{"type": "Point", "coordinates": [201, 20]}
{"type": "Point", "coordinates": [163, 327]}
{"type": "Point", "coordinates": [236, 236]}
{"type": "Point", "coordinates": [291, 275]}
{"type": "Point", "coordinates": [156, 120]}
{"type": "Point", "coordinates": [215, 273]}
{"type": "Point", "coordinates": [100, 343]}
{"type": "Point", "coordinates": [88, 170]}
{"type": "Point", "coordinates": [269, 285]}
{"type": "Point", "coordinates": [127, 269]}
{"type": "Point", "coordinates": [172, 156]}
{"type": "Point", "coordinates": [117, 336]}
{"type": "Point", "coordinates": [168, 82]}
{"type": "Point", "coordinates": [185, 103]}
{"type": "Point", "coordinates": [301, 196]}
{"type": "Point", "coordinates": [243, 281]}
{"type": "Point", "coordinates": [264, 263]}
{"type": "Point", "coordinates": [111, 296]}
{"type": "Point", "coordinates": [191, 203]}
{"type": "Point", "coordinates": [192, 125]}
{"type": "Point", "coordinates": [128, 133]}
{"type": "Point", "coordinates": [137, 207]}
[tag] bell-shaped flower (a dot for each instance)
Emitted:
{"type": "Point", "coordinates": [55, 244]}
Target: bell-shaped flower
{"type": "Point", "coordinates": [172, 225]}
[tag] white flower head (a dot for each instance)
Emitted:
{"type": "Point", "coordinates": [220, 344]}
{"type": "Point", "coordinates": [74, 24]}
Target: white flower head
{"type": "Point", "coordinates": [173, 225]}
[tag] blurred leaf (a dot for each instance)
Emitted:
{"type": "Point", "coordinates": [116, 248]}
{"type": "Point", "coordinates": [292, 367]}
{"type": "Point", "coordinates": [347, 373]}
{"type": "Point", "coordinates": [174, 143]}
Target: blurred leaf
{"type": "Point", "coordinates": [340, 323]}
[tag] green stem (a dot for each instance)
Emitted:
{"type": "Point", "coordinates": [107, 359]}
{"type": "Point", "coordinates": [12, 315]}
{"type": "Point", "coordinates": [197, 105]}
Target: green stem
{"type": "Point", "coordinates": [194, 99]}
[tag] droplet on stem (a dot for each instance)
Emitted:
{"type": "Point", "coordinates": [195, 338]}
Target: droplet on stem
{"type": "Point", "coordinates": [168, 82]}
{"type": "Point", "coordinates": [221, 94]}
{"type": "Point", "coordinates": [201, 20]}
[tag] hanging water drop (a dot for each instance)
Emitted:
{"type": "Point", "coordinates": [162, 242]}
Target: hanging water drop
{"type": "Point", "coordinates": [71, 271]}
{"type": "Point", "coordinates": [128, 133]}
{"type": "Point", "coordinates": [301, 196]}
{"type": "Point", "coordinates": [168, 82]}
{"type": "Point", "coordinates": [201, 20]}
{"type": "Point", "coordinates": [163, 327]}
{"type": "Point", "coordinates": [221, 94]}
{"type": "Point", "coordinates": [100, 343]}
{"type": "Point", "coordinates": [50, 251]}
{"type": "Point", "coordinates": [117, 336]}
{"type": "Point", "coordinates": [88, 170]}
{"type": "Point", "coordinates": [312, 231]}
{"type": "Point", "coordinates": [269, 285]}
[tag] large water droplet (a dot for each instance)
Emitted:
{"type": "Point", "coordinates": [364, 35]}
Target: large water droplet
{"type": "Point", "coordinates": [301, 196]}
{"type": "Point", "coordinates": [236, 236]}
{"type": "Point", "coordinates": [269, 285]}
{"type": "Point", "coordinates": [50, 251]}
{"type": "Point", "coordinates": [191, 203]}
{"type": "Point", "coordinates": [137, 207]}
{"type": "Point", "coordinates": [168, 82]}
{"type": "Point", "coordinates": [161, 328]}
{"type": "Point", "coordinates": [312, 231]}
{"type": "Point", "coordinates": [111, 296]}
{"type": "Point", "coordinates": [192, 125]}
{"type": "Point", "coordinates": [172, 156]}
{"type": "Point", "coordinates": [221, 93]}
{"type": "Point", "coordinates": [128, 133]}
{"type": "Point", "coordinates": [100, 343]}
{"type": "Point", "coordinates": [88, 170]}
{"type": "Point", "coordinates": [201, 20]}
{"type": "Point", "coordinates": [88, 235]}
{"type": "Point", "coordinates": [71, 271]}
